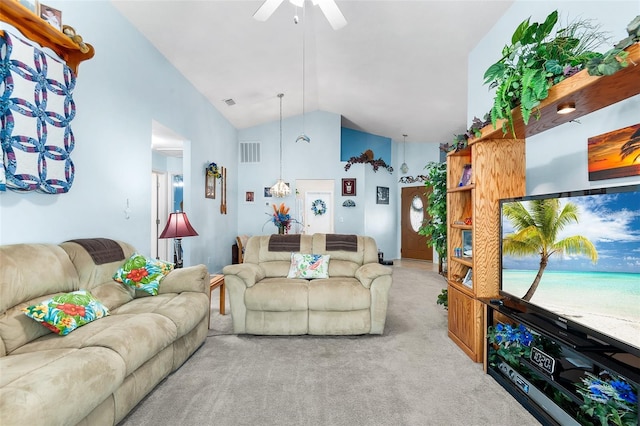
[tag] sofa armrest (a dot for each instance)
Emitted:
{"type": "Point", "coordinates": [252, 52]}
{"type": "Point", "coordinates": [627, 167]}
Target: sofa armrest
{"type": "Point", "coordinates": [193, 278]}
{"type": "Point", "coordinates": [248, 273]}
{"type": "Point", "coordinates": [368, 272]}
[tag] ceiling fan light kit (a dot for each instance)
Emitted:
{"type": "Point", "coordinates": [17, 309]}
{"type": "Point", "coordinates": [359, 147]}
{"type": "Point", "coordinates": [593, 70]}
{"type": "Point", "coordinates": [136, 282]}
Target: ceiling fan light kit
{"type": "Point", "coordinates": [328, 7]}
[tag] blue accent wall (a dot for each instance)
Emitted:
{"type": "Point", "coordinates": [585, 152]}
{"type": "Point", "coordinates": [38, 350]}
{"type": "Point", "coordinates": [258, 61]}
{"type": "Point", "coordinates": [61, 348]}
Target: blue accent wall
{"type": "Point", "coordinates": [354, 143]}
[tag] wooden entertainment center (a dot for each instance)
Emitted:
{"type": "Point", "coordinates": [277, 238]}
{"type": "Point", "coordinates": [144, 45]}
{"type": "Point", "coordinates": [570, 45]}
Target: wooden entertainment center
{"type": "Point", "coordinates": [499, 171]}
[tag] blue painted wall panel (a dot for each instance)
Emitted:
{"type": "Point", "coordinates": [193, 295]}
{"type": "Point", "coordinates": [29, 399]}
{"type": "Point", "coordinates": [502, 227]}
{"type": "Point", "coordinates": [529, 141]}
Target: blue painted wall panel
{"type": "Point", "coordinates": [354, 143]}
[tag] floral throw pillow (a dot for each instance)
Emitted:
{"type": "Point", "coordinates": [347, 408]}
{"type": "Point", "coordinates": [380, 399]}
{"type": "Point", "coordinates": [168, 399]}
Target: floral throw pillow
{"type": "Point", "coordinates": [65, 312]}
{"type": "Point", "coordinates": [143, 273]}
{"type": "Point", "coordinates": [309, 266]}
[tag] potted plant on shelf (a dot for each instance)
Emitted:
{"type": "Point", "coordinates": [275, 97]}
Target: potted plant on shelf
{"type": "Point", "coordinates": [538, 58]}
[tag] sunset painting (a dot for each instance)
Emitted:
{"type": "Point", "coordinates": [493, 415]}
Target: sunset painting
{"type": "Point", "coordinates": [615, 154]}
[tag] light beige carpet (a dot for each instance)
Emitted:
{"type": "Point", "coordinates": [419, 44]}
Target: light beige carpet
{"type": "Point", "coordinates": [413, 374]}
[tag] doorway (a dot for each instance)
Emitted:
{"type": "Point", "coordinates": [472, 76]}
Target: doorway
{"type": "Point", "coordinates": [413, 214]}
{"type": "Point", "coordinates": [315, 205]}
{"type": "Point", "coordinates": [167, 185]}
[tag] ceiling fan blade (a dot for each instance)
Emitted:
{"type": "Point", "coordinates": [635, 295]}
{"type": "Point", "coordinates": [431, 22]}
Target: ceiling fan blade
{"type": "Point", "coordinates": [266, 10]}
{"type": "Point", "coordinates": [332, 13]}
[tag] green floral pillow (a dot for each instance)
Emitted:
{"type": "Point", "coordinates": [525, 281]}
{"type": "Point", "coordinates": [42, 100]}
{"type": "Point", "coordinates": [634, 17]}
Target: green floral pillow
{"type": "Point", "coordinates": [309, 266]}
{"type": "Point", "coordinates": [142, 273]}
{"type": "Point", "coordinates": [64, 313]}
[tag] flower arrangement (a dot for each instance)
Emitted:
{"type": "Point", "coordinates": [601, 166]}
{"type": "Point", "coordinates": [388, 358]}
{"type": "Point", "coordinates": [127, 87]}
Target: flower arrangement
{"type": "Point", "coordinates": [609, 398]}
{"type": "Point", "coordinates": [367, 157]}
{"type": "Point", "coordinates": [281, 218]}
{"type": "Point", "coordinates": [214, 170]}
{"type": "Point", "coordinates": [512, 342]}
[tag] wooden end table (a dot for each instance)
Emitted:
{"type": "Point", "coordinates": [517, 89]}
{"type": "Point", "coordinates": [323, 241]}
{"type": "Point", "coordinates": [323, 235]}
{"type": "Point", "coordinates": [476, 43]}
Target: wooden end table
{"type": "Point", "coordinates": [215, 282]}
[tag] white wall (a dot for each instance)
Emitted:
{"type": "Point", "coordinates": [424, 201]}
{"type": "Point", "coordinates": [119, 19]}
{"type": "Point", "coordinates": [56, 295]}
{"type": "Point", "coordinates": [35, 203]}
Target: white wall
{"type": "Point", "coordinates": [557, 159]}
{"type": "Point", "coordinates": [119, 92]}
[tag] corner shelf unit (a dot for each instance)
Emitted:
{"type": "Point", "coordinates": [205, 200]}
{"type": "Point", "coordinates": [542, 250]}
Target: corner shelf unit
{"type": "Point", "coordinates": [36, 29]}
{"type": "Point", "coordinates": [499, 171]}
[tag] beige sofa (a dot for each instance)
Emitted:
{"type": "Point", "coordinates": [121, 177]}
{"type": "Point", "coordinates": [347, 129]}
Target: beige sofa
{"type": "Point", "coordinates": [96, 374]}
{"type": "Point", "coordinates": [353, 300]}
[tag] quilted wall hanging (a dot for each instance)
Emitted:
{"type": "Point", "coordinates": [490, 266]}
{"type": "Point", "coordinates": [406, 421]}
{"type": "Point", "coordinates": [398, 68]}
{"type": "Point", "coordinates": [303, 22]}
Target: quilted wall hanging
{"type": "Point", "coordinates": [37, 110]}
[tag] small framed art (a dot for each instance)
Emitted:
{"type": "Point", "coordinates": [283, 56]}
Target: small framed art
{"type": "Point", "coordinates": [348, 187]}
{"type": "Point", "coordinates": [465, 179]}
{"type": "Point", "coordinates": [249, 197]}
{"type": "Point", "coordinates": [382, 195]}
{"type": "Point", "coordinates": [267, 192]}
{"type": "Point", "coordinates": [51, 16]}
{"type": "Point", "coordinates": [32, 5]}
{"type": "Point", "coordinates": [467, 243]}
{"type": "Point", "coordinates": [468, 278]}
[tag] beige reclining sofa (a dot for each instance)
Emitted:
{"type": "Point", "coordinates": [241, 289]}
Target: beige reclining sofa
{"type": "Point", "coordinates": [352, 300]}
{"type": "Point", "coordinates": [98, 372]}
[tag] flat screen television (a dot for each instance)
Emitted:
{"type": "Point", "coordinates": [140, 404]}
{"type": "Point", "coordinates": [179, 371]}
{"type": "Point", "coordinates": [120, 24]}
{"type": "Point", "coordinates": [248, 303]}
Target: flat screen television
{"type": "Point", "coordinates": [584, 246]}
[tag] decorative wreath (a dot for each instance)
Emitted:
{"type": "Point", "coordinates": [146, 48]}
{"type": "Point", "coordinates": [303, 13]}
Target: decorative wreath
{"type": "Point", "coordinates": [318, 207]}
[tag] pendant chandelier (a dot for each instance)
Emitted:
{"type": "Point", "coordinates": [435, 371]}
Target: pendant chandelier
{"type": "Point", "coordinates": [404, 168]}
{"type": "Point", "coordinates": [280, 189]}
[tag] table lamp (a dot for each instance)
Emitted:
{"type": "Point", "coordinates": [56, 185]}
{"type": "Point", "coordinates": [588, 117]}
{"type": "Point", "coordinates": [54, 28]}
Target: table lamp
{"type": "Point", "coordinates": [177, 227]}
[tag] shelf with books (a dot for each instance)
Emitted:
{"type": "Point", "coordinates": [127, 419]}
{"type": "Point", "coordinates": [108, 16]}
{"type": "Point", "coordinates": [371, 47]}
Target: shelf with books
{"type": "Point", "coordinates": [497, 172]}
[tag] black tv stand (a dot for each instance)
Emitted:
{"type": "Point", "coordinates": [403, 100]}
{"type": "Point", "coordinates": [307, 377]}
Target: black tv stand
{"type": "Point", "coordinates": [548, 388]}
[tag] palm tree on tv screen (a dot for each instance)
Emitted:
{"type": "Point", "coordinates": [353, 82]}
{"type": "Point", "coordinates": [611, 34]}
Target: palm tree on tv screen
{"type": "Point", "coordinates": [536, 232]}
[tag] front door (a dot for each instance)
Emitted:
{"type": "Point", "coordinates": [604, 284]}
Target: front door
{"type": "Point", "coordinates": [318, 212]}
{"type": "Point", "coordinates": [414, 212]}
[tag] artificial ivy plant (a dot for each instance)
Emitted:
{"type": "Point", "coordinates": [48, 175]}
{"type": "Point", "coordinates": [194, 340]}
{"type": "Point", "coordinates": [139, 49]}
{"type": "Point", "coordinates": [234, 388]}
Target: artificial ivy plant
{"type": "Point", "coordinates": [436, 226]}
{"type": "Point", "coordinates": [536, 59]}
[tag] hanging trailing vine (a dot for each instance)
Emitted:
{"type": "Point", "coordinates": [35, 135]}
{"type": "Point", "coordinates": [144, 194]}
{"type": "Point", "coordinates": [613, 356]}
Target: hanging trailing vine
{"type": "Point", "coordinates": [535, 60]}
{"type": "Point", "coordinates": [367, 157]}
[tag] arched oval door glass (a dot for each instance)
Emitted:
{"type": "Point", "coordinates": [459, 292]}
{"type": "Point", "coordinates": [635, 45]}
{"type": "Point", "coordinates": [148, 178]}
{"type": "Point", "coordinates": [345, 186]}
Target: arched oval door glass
{"type": "Point", "coordinates": [414, 213]}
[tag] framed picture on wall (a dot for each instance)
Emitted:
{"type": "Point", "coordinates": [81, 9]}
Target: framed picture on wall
{"type": "Point", "coordinates": [249, 196]}
{"type": "Point", "coordinates": [267, 192]}
{"type": "Point", "coordinates": [51, 16]}
{"type": "Point", "coordinates": [382, 195]}
{"type": "Point", "coordinates": [209, 185]}
{"type": "Point", "coordinates": [348, 187]}
{"type": "Point", "coordinates": [611, 155]}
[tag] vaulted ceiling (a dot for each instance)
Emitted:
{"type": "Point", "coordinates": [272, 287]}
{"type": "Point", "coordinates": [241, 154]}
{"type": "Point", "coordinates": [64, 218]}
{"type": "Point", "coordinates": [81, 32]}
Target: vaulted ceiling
{"type": "Point", "coordinates": [397, 67]}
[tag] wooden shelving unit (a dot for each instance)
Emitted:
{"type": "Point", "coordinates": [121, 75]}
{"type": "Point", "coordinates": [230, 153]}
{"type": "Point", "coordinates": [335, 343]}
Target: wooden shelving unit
{"type": "Point", "coordinates": [498, 167]}
{"type": "Point", "coordinates": [498, 171]}
{"type": "Point", "coordinates": [35, 29]}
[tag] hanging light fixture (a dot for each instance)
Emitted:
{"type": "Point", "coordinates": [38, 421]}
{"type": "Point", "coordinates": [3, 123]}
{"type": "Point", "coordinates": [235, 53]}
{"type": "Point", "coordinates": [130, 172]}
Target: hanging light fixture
{"type": "Point", "coordinates": [303, 136]}
{"type": "Point", "coordinates": [404, 168]}
{"type": "Point", "coordinates": [280, 189]}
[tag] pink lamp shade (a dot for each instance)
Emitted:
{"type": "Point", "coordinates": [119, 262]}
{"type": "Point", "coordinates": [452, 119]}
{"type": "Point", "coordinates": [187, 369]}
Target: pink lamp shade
{"type": "Point", "coordinates": [178, 226]}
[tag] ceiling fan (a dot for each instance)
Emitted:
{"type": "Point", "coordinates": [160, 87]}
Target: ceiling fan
{"type": "Point", "coordinates": [329, 8]}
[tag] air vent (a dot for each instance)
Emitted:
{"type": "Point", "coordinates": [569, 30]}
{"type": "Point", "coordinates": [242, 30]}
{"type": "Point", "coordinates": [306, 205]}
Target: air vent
{"type": "Point", "coordinates": [250, 152]}
{"type": "Point", "coordinates": [229, 102]}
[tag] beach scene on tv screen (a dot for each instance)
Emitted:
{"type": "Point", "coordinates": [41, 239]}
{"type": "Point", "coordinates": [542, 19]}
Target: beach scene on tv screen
{"type": "Point", "coordinates": [592, 275]}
